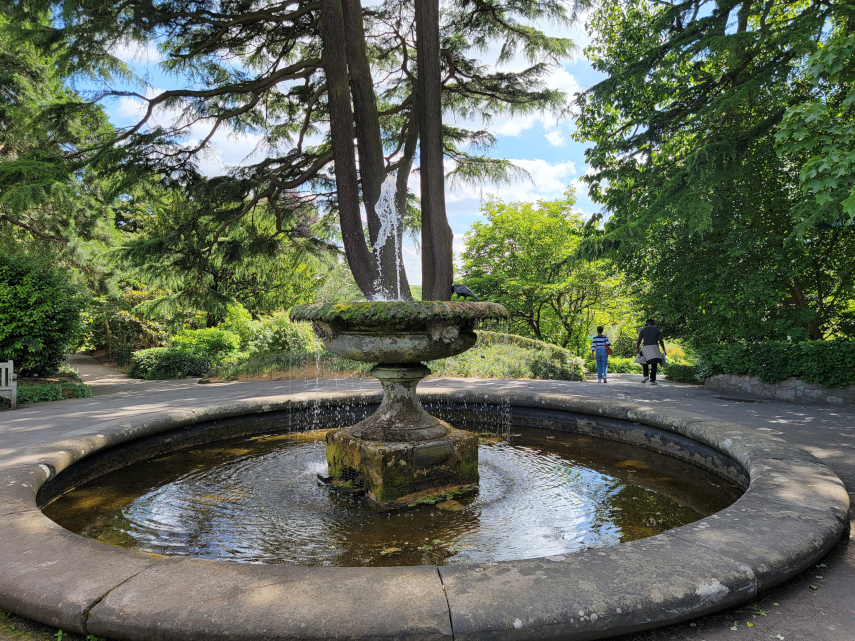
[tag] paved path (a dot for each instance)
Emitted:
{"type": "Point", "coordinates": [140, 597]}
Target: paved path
{"type": "Point", "coordinates": [793, 611]}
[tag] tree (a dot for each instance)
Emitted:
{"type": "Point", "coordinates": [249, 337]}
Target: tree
{"type": "Point", "coordinates": [525, 256]}
{"type": "Point", "coordinates": [49, 203]}
{"type": "Point", "coordinates": [702, 204]}
{"type": "Point", "coordinates": [824, 128]}
{"type": "Point", "coordinates": [253, 262]}
{"type": "Point", "coordinates": [41, 311]}
{"type": "Point", "coordinates": [291, 71]}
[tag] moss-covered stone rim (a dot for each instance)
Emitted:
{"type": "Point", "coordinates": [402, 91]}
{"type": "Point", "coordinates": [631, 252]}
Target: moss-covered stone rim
{"type": "Point", "coordinates": [383, 311]}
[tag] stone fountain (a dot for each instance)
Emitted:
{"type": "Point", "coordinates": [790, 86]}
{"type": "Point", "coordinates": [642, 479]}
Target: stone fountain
{"type": "Point", "coordinates": [400, 450]}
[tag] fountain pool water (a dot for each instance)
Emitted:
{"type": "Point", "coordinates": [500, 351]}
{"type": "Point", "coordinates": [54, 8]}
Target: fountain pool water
{"type": "Point", "coordinates": [256, 500]}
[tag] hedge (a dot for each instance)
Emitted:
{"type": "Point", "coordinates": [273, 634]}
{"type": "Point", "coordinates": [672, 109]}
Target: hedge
{"type": "Point", "coordinates": [617, 365]}
{"type": "Point", "coordinates": [828, 363]}
{"type": "Point", "coordinates": [683, 374]}
{"type": "Point", "coordinates": [166, 362]}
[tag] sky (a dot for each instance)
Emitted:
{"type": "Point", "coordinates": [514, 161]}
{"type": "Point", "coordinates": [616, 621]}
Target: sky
{"type": "Point", "coordinates": [537, 143]}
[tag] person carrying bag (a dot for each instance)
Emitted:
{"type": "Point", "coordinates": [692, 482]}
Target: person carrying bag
{"type": "Point", "coordinates": [649, 355]}
{"type": "Point", "coordinates": [601, 349]}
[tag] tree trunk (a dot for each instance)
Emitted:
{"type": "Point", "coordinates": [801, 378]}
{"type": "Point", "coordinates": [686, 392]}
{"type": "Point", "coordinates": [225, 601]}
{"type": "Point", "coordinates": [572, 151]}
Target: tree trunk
{"type": "Point", "coordinates": [437, 253]}
{"type": "Point", "coordinates": [361, 261]}
{"type": "Point", "coordinates": [372, 166]}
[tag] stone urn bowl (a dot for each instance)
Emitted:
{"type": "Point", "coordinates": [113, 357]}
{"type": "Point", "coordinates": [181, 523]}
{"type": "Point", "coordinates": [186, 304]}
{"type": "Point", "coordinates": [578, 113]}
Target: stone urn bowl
{"type": "Point", "coordinates": [397, 332]}
{"type": "Point", "coordinates": [400, 447]}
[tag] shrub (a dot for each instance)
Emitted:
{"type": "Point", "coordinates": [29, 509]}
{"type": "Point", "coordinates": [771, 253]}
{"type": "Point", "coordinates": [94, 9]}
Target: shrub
{"type": "Point", "coordinates": [294, 365]}
{"type": "Point", "coordinates": [617, 365]}
{"type": "Point", "coordinates": [213, 344]}
{"type": "Point", "coordinates": [511, 360]}
{"type": "Point", "coordinates": [270, 334]}
{"type": "Point", "coordinates": [40, 315]}
{"type": "Point", "coordinates": [560, 369]}
{"type": "Point", "coordinates": [624, 347]}
{"type": "Point", "coordinates": [283, 335]}
{"type": "Point", "coordinates": [37, 393]}
{"type": "Point", "coordinates": [683, 374]}
{"type": "Point", "coordinates": [828, 363]}
{"type": "Point", "coordinates": [239, 321]}
{"type": "Point", "coordinates": [76, 390]}
{"type": "Point", "coordinates": [167, 362]}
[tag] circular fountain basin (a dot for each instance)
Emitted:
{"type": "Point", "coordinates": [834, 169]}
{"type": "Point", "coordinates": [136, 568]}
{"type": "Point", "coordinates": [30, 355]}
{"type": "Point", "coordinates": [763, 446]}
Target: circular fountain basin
{"type": "Point", "coordinates": [256, 499]}
{"type": "Point", "coordinates": [791, 514]}
{"type": "Point", "coordinates": [398, 332]}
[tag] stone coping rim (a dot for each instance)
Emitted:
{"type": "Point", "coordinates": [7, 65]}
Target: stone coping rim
{"type": "Point", "coordinates": [570, 596]}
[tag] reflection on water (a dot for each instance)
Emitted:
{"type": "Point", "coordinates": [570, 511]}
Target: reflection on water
{"type": "Point", "coordinates": [257, 500]}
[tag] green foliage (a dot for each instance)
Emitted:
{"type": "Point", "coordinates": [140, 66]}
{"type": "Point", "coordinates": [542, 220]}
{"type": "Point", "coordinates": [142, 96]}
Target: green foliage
{"type": "Point", "coordinates": [494, 356]}
{"type": "Point", "coordinates": [624, 346]}
{"type": "Point", "coordinates": [255, 262]}
{"type": "Point", "coordinates": [167, 363]}
{"type": "Point", "coordinates": [49, 203]}
{"type": "Point", "coordinates": [259, 72]}
{"type": "Point", "coordinates": [708, 211]}
{"type": "Point", "coordinates": [290, 365]}
{"type": "Point", "coordinates": [212, 343]}
{"type": "Point", "coordinates": [29, 393]}
{"type": "Point", "coordinates": [115, 319]}
{"type": "Point", "coordinates": [274, 333]}
{"type": "Point", "coordinates": [76, 390]}
{"type": "Point", "coordinates": [683, 374]}
{"type": "Point", "coordinates": [828, 363]}
{"type": "Point", "coordinates": [40, 314]}
{"type": "Point", "coordinates": [278, 333]}
{"type": "Point", "coordinates": [617, 365]}
{"type": "Point", "coordinates": [38, 393]}
{"type": "Point", "coordinates": [824, 128]}
{"type": "Point", "coordinates": [525, 256]}
{"type": "Point", "coordinates": [496, 359]}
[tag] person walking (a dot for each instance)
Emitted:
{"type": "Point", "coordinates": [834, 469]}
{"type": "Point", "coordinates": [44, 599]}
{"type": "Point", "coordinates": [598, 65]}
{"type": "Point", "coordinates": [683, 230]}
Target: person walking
{"type": "Point", "coordinates": [600, 349]}
{"type": "Point", "coordinates": [649, 340]}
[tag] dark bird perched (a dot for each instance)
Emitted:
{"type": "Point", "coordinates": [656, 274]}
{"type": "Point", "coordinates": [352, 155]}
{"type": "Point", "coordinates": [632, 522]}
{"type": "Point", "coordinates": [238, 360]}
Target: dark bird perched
{"type": "Point", "coordinates": [462, 291]}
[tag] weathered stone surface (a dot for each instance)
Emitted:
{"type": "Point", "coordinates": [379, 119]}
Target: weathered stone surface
{"type": "Point", "coordinates": [624, 588]}
{"type": "Point", "coordinates": [389, 471]}
{"type": "Point", "coordinates": [400, 417]}
{"type": "Point", "coordinates": [53, 576]}
{"type": "Point", "coordinates": [800, 484]}
{"type": "Point", "coordinates": [774, 539]}
{"type": "Point", "coordinates": [743, 444]}
{"type": "Point", "coordinates": [199, 599]}
{"type": "Point", "coordinates": [791, 389]}
{"type": "Point", "coordinates": [397, 332]}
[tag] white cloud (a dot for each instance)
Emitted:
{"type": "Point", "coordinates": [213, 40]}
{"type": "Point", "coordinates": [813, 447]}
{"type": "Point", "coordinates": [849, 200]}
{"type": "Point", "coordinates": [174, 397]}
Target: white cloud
{"type": "Point", "coordinates": [546, 181]}
{"type": "Point", "coordinates": [555, 138]}
{"type": "Point", "coordinates": [138, 52]}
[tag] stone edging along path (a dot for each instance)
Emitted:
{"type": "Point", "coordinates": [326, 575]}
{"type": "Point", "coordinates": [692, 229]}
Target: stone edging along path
{"type": "Point", "coordinates": [791, 389]}
{"type": "Point", "coordinates": [792, 514]}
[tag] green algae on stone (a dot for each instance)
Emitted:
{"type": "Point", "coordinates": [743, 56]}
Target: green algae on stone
{"type": "Point", "coordinates": [398, 314]}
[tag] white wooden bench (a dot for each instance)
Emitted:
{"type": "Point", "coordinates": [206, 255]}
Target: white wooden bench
{"type": "Point", "coordinates": [7, 382]}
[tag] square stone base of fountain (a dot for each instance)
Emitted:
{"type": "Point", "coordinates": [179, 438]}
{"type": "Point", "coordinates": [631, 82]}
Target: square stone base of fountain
{"type": "Point", "coordinates": [388, 471]}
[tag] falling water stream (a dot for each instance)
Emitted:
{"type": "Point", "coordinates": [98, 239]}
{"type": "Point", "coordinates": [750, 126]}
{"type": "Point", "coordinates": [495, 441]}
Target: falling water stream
{"type": "Point", "coordinates": [390, 222]}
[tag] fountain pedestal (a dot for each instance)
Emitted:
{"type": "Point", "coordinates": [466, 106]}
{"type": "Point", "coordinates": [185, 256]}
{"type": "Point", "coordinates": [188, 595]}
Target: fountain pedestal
{"type": "Point", "coordinates": [400, 449]}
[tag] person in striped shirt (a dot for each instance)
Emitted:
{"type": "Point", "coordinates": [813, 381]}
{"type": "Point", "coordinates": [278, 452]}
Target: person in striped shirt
{"type": "Point", "coordinates": [598, 351]}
